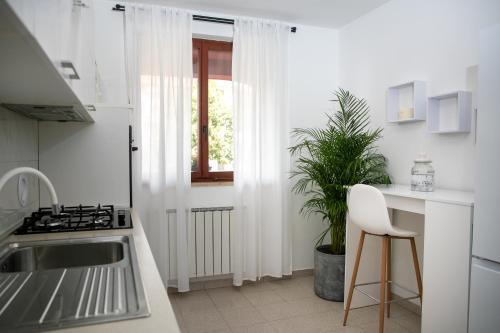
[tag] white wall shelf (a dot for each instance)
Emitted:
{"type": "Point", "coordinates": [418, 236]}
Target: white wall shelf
{"type": "Point", "coordinates": [406, 102]}
{"type": "Point", "coordinates": [450, 113]}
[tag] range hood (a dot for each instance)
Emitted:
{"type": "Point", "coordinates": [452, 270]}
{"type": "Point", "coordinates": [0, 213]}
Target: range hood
{"type": "Point", "coordinates": [47, 112]}
{"type": "Point", "coordinates": [30, 82]}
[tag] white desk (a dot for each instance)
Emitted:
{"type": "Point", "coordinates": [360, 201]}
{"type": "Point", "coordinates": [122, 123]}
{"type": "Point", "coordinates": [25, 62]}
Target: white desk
{"type": "Point", "coordinates": [446, 254]}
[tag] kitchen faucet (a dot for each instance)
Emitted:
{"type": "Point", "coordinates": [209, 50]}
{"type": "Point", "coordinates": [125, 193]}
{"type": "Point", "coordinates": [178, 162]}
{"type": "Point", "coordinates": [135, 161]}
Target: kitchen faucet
{"type": "Point", "coordinates": [40, 175]}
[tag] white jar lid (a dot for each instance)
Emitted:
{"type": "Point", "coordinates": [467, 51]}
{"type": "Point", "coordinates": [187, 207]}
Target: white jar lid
{"type": "Point", "coordinates": [423, 158]}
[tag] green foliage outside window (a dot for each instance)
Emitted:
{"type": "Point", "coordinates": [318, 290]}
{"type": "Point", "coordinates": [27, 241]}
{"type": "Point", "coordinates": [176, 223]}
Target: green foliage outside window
{"type": "Point", "coordinates": [220, 124]}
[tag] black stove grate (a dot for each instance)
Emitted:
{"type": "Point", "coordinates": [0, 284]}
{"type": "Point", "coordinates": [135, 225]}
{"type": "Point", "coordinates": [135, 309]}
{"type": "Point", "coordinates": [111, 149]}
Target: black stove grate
{"type": "Point", "coordinates": [76, 218]}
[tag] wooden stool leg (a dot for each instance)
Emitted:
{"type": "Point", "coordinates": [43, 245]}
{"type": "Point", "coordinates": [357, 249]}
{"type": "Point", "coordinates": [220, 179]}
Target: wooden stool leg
{"type": "Point", "coordinates": [417, 267]}
{"type": "Point", "coordinates": [383, 281]}
{"type": "Point", "coordinates": [389, 290]}
{"type": "Point", "coordinates": [354, 274]}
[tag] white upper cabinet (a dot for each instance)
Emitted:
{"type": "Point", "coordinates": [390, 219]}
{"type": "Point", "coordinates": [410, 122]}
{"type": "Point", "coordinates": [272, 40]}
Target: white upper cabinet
{"type": "Point", "coordinates": [47, 62]}
{"type": "Point", "coordinates": [77, 47]}
{"type": "Point", "coordinates": [46, 27]}
{"type": "Point", "coordinates": [64, 29]}
{"type": "Point", "coordinates": [25, 9]}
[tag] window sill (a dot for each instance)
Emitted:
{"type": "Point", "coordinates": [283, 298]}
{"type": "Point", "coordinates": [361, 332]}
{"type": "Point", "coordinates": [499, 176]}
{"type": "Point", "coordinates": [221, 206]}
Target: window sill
{"type": "Point", "coordinates": [211, 183]}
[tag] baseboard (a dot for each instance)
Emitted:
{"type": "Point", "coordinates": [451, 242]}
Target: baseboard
{"type": "Point", "coordinates": [226, 280]}
{"type": "Point", "coordinates": [303, 272]}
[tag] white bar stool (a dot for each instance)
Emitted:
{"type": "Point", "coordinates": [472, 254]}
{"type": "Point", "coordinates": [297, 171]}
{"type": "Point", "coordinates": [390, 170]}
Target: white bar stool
{"type": "Point", "coordinates": [368, 210]}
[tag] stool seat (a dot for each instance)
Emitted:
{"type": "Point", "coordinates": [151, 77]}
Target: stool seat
{"type": "Point", "coordinates": [398, 232]}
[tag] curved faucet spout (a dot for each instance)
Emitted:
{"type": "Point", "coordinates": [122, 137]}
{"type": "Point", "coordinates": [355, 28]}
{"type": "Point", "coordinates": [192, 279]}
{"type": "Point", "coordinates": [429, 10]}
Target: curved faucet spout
{"type": "Point", "coordinates": [17, 171]}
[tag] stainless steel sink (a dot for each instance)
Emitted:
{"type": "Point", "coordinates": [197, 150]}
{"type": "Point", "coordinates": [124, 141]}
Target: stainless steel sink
{"type": "Point", "coordinates": [63, 283]}
{"type": "Point", "coordinates": [51, 256]}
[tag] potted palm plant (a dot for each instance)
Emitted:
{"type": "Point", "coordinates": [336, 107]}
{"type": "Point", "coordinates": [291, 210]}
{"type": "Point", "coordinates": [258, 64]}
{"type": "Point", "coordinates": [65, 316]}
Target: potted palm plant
{"type": "Point", "coordinates": [328, 161]}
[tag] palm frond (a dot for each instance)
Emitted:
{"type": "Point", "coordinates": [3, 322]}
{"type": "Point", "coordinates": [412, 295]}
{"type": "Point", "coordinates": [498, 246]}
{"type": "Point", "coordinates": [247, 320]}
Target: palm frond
{"type": "Point", "coordinates": [329, 160]}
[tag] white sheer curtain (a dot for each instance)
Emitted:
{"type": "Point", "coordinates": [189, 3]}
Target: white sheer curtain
{"type": "Point", "coordinates": [261, 131]}
{"type": "Point", "coordinates": [160, 71]}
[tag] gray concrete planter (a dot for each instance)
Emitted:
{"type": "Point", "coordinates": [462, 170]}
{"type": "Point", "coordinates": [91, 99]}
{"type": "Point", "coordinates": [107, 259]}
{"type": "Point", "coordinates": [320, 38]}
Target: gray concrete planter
{"type": "Point", "coordinates": [329, 274]}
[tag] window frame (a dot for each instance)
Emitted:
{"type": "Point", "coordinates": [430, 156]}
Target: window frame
{"type": "Point", "coordinates": [203, 174]}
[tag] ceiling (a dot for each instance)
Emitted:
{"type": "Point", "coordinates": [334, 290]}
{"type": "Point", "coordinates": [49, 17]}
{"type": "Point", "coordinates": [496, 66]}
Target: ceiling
{"type": "Point", "coordinates": [323, 13]}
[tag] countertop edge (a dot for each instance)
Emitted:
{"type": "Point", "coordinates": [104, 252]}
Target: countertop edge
{"type": "Point", "coordinates": [455, 197]}
{"type": "Point", "coordinates": [162, 317]}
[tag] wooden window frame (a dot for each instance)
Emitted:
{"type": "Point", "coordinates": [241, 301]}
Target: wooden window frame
{"type": "Point", "coordinates": [203, 174]}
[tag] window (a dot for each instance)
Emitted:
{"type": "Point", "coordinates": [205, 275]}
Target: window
{"type": "Point", "coordinates": [212, 115]}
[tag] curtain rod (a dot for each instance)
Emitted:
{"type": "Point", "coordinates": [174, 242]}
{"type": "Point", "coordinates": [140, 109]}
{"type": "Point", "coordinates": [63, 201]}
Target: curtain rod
{"type": "Point", "coordinates": [121, 8]}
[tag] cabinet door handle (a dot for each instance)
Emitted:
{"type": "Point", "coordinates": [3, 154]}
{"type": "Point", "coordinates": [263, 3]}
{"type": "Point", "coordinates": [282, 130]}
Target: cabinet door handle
{"type": "Point", "coordinates": [69, 64]}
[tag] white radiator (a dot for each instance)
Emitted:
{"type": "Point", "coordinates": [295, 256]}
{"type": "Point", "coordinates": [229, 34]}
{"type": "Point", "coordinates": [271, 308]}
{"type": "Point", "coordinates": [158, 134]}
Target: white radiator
{"type": "Point", "coordinates": [209, 242]}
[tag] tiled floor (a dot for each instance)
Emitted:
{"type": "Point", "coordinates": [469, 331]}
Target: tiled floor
{"type": "Point", "coordinates": [278, 306]}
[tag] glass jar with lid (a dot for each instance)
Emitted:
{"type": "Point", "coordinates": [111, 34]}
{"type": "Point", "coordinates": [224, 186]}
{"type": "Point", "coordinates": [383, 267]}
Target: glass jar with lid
{"type": "Point", "coordinates": [422, 174]}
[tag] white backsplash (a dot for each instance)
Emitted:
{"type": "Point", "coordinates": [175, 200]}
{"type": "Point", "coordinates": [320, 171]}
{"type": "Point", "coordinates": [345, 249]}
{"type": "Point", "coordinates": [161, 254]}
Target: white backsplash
{"type": "Point", "coordinates": [18, 147]}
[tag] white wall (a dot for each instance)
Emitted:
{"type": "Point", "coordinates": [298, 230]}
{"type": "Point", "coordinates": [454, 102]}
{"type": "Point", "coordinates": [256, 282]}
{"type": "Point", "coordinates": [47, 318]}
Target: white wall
{"type": "Point", "coordinates": [313, 79]}
{"type": "Point", "coordinates": [87, 163]}
{"type": "Point", "coordinates": [18, 147]}
{"type": "Point", "coordinates": [405, 40]}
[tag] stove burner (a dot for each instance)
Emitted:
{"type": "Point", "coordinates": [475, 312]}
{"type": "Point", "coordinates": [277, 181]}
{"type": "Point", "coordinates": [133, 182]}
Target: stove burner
{"type": "Point", "coordinates": [76, 218]}
{"type": "Point", "coordinates": [99, 220]}
{"type": "Point", "coordinates": [48, 222]}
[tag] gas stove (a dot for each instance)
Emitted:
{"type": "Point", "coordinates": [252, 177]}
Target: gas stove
{"type": "Point", "coordinates": [76, 218]}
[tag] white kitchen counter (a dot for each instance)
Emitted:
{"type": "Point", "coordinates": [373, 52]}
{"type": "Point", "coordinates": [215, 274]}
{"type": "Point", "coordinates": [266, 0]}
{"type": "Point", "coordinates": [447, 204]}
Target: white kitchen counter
{"type": "Point", "coordinates": [162, 318]}
{"type": "Point", "coordinates": [464, 198]}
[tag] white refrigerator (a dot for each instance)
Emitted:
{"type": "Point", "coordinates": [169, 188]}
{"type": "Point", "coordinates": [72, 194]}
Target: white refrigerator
{"type": "Point", "coordinates": [484, 304]}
